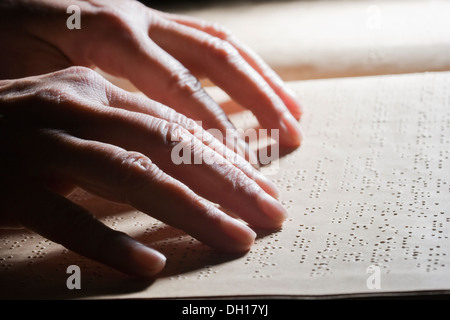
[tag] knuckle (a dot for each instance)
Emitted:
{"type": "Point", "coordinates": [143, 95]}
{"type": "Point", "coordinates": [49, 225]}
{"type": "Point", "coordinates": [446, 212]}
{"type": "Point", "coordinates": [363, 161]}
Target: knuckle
{"type": "Point", "coordinates": [134, 160]}
{"type": "Point", "coordinates": [183, 81]}
{"type": "Point", "coordinates": [115, 21]}
{"type": "Point", "coordinates": [222, 50]}
{"type": "Point", "coordinates": [218, 30]}
{"type": "Point", "coordinates": [174, 133]}
{"type": "Point", "coordinates": [132, 172]}
{"type": "Point", "coordinates": [131, 164]}
{"type": "Point", "coordinates": [79, 70]}
{"type": "Point", "coordinates": [183, 145]}
{"type": "Point", "coordinates": [180, 119]}
{"type": "Point", "coordinates": [76, 75]}
{"type": "Point", "coordinates": [67, 84]}
{"type": "Point", "coordinates": [78, 82]}
{"type": "Point", "coordinates": [110, 16]}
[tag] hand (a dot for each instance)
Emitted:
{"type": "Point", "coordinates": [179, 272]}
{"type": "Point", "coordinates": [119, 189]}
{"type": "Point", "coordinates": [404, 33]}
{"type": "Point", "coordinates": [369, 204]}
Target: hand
{"type": "Point", "coordinates": [71, 127]}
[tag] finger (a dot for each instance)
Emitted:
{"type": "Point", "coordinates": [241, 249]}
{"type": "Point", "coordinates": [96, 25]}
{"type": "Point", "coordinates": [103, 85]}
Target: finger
{"type": "Point", "coordinates": [139, 103]}
{"type": "Point", "coordinates": [130, 177]}
{"type": "Point", "coordinates": [157, 139]}
{"type": "Point", "coordinates": [64, 222]}
{"type": "Point", "coordinates": [221, 62]}
{"type": "Point", "coordinates": [213, 178]}
{"type": "Point", "coordinates": [258, 64]}
{"type": "Point", "coordinates": [163, 78]}
{"type": "Point", "coordinates": [204, 171]}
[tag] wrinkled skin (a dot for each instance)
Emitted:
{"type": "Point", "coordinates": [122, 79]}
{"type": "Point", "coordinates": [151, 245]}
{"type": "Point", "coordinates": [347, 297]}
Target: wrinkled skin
{"type": "Point", "coordinates": [62, 125]}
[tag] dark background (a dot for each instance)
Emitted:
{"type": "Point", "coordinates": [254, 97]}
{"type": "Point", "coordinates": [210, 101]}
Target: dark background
{"type": "Point", "coordinates": [179, 4]}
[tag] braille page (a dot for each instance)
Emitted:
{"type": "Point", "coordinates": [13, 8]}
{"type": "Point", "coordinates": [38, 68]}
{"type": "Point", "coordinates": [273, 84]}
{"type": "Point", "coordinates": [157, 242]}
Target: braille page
{"type": "Point", "coordinates": [368, 200]}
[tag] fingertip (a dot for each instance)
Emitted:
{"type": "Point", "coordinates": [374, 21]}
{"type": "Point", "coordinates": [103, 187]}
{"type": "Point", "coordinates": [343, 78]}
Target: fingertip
{"type": "Point", "coordinates": [242, 237]}
{"type": "Point", "coordinates": [146, 262]}
{"type": "Point", "coordinates": [137, 259]}
{"type": "Point", "coordinates": [293, 103]}
{"type": "Point", "coordinates": [273, 210]}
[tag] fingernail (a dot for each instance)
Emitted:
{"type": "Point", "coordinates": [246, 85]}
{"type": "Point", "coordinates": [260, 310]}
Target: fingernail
{"type": "Point", "coordinates": [148, 261]}
{"type": "Point", "coordinates": [267, 185]}
{"type": "Point", "coordinates": [290, 131]}
{"type": "Point", "coordinates": [272, 208]}
{"type": "Point", "coordinates": [294, 104]}
{"type": "Point", "coordinates": [242, 234]}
